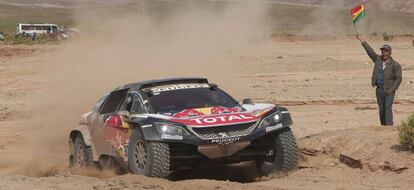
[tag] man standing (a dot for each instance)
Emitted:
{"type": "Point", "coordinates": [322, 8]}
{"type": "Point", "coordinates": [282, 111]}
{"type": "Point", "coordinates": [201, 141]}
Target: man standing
{"type": "Point", "coordinates": [386, 77]}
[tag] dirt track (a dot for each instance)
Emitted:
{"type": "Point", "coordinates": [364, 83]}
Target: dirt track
{"type": "Point", "coordinates": [326, 89]}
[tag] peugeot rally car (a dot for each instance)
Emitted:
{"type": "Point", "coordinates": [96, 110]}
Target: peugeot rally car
{"type": "Point", "coordinates": [156, 127]}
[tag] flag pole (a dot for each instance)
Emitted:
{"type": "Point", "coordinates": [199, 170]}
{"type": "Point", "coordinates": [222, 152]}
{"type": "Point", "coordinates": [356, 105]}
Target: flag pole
{"type": "Point", "coordinates": [356, 28]}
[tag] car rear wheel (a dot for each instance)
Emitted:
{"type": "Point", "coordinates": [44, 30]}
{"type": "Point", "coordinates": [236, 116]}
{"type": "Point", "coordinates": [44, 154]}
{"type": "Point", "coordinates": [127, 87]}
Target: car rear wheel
{"type": "Point", "coordinates": [82, 154]}
{"type": "Point", "coordinates": [148, 158]}
{"type": "Point", "coordinates": [285, 157]}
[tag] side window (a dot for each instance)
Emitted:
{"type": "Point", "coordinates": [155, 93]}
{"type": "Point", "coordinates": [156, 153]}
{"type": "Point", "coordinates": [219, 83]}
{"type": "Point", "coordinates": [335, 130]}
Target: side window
{"type": "Point", "coordinates": [113, 101]}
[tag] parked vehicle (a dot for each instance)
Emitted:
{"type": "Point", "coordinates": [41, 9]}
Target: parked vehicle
{"type": "Point", "coordinates": [36, 28]}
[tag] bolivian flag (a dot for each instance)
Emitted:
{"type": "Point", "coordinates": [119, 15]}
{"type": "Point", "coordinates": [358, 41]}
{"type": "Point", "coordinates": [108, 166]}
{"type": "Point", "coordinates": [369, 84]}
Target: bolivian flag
{"type": "Point", "coordinates": [358, 13]}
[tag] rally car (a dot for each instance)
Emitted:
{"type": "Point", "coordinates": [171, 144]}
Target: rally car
{"type": "Point", "coordinates": [157, 127]}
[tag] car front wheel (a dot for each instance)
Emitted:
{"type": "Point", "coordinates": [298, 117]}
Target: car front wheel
{"type": "Point", "coordinates": [285, 154]}
{"type": "Point", "coordinates": [148, 158]}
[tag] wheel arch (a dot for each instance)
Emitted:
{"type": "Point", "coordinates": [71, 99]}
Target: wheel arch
{"type": "Point", "coordinates": [147, 130]}
{"type": "Point", "coordinates": [84, 132]}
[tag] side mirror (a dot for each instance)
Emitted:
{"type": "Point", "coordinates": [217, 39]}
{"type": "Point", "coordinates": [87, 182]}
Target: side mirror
{"type": "Point", "coordinates": [247, 101]}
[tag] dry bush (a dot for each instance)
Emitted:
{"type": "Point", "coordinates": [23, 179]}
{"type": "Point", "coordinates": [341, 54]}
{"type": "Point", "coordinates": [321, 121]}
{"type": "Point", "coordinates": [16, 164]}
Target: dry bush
{"type": "Point", "coordinates": [387, 37]}
{"type": "Point", "coordinates": [406, 130]}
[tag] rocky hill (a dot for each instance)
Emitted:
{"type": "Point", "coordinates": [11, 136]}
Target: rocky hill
{"type": "Point", "coordinates": [393, 5]}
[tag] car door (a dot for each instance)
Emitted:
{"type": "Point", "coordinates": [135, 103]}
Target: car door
{"type": "Point", "coordinates": [102, 140]}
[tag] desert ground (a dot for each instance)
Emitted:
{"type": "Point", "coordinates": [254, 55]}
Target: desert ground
{"type": "Point", "coordinates": [324, 81]}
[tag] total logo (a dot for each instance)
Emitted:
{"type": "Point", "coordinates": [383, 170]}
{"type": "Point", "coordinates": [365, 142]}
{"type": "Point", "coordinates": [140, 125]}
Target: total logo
{"type": "Point", "coordinates": [223, 119]}
{"type": "Point", "coordinates": [217, 120]}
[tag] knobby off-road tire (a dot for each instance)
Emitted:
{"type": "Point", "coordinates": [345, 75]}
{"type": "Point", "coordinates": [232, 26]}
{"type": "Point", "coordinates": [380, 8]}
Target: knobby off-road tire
{"type": "Point", "coordinates": [286, 154]}
{"type": "Point", "coordinates": [151, 159]}
{"type": "Point", "coordinates": [82, 154]}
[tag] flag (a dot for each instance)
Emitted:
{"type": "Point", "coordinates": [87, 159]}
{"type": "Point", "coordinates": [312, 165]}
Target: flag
{"type": "Point", "coordinates": [358, 13]}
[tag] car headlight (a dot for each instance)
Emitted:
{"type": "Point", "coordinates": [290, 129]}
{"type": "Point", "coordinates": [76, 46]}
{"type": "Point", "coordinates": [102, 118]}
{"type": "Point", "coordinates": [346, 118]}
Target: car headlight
{"type": "Point", "coordinates": [171, 129]}
{"type": "Point", "coordinates": [271, 120]}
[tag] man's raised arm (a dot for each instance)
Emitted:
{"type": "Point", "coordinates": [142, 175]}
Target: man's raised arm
{"type": "Point", "coordinates": [371, 53]}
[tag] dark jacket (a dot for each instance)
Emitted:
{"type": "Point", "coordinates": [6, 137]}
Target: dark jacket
{"type": "Point", "coordinates": [392, 71]}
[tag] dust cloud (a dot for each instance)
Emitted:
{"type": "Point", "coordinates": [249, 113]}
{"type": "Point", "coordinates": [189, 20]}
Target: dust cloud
{"type": "Point", "coordinates": [128, 42]}
{"type": "Point", "coordinates": [328, 20]}
{"type": "Point", "coordinates": [333, 19]}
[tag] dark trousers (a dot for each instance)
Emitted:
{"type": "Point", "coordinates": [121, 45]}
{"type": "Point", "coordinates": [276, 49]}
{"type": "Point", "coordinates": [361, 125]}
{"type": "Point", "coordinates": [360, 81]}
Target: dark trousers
{"type": "Point", "coordinates": [385, 106]}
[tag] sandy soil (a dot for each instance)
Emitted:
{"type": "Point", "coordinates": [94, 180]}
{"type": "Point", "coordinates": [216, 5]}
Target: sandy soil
{"type": "Point", "coordinates": [324, 83]}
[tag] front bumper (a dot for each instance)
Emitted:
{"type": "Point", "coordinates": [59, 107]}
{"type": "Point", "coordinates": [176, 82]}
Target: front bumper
{"type": "Point", "coordinates": [228, 146]}
{"type": "Point", "coordinates": [224, 141]}
{"type": "Point", "coordinates": [222, 150]}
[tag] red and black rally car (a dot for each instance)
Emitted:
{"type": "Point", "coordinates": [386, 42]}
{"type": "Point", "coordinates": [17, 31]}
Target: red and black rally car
{"type": "Point", "coordinates": [159, 126]}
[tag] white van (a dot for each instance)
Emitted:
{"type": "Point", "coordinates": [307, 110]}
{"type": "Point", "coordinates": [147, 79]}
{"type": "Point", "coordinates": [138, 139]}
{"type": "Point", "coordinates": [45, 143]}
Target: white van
{"type": "Point", "coordinates": [36, 28]}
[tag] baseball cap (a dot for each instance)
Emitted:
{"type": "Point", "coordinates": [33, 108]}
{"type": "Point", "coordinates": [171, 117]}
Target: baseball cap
{"type": "Point", "coordinates": [386, 47]}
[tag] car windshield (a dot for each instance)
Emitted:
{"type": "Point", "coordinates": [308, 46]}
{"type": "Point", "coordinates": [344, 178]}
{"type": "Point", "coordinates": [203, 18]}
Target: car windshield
{"type": "Point", "coordinates": [174, 101]}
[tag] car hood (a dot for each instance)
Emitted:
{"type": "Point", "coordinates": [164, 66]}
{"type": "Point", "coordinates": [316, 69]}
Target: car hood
{"type": "Point", "coordinates": [217, 116]}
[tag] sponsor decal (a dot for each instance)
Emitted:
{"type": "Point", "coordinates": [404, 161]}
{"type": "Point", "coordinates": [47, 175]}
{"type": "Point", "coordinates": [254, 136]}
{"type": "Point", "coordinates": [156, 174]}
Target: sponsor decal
{"type": "Point", "coordinates": [224, 118]}
{"type": "Point", "coordinates": [188, 113]}
{"type": "Point", "coordinates": [172, 137]}
{"type": "Point", "coordinates": [221, 110]}
{"type": "Point", "coordinates": [272, 128]}
{"type": "Point", "coordinates": [117, 135]}
{"type": "Point", "coordinates": [206, 111]}
{"type": "Point", "coordinates": [217, 120]}
{"type": "Point", "coordinates": [157, 90]}
{"type": "Point", "coordinates": [119, 144]}
{"type": "Point", "coordinates": [225, 140]}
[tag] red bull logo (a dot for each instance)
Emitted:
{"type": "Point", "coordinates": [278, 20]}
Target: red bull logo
{"type": "Point", "coordinates": [206, 111]}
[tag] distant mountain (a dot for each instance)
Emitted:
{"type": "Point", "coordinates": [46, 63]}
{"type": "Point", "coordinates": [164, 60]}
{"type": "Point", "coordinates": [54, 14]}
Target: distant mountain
{"type": "Point", "coordinates": [391, 5]}
{"type": "Point", "coordinates": [65, 4]}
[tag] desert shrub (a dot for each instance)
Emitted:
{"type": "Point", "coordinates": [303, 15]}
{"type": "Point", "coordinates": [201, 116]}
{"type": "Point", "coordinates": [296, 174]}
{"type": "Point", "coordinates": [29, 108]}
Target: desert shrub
{"type": "Point", "coordinates": [46, 39]}
{"type": "Point", "coordinates": [41, 39]}
{"type": "Point", "coordinates": [19, 40]}
{"type": "Point", "coordinates": [387, 37]}
{"type": "Point", "coordinates": [406, 131]}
